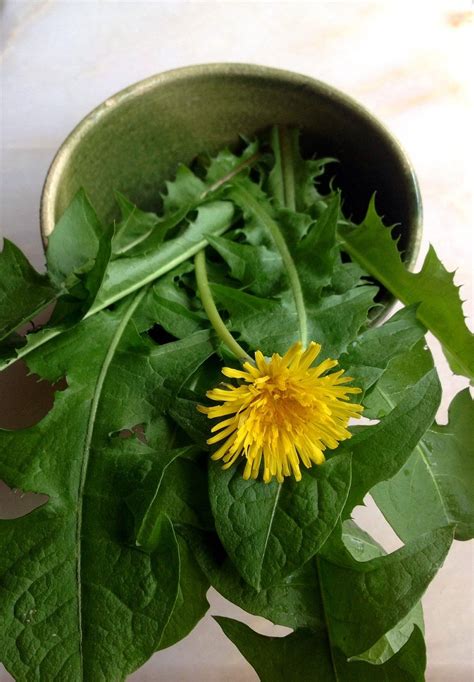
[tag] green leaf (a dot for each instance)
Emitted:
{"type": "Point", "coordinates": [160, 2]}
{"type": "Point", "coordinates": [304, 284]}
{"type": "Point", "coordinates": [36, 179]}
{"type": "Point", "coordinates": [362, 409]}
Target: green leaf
{"type": "Point", "coordinates": [304, 656]}
{"type": "Point", "coordinates": [337, 319]}
{"type": "Point", "coordinates": [261, 323]}
{"type": "Point", "coordinates": [292, 180]}
{"type": "Point", "coordinates": [317, 254]}
{"type": "Point", "coordinates": [379, 451]}
{"type": "Point", "coordinates": [105, 620]}
{"type": "Point", "coordinates": [128, 274]}
{"type": "Point", "coordinates": [76, 270]}
{"type": "Point", "coordinates": [345, 276]}
{"type": "Point", "coordinates": [185, 414]}
{"type": "Point", "coordinates": [368, 356]}
{"type": "Point", "coordinates": [356, 604]}
{"type": "Point", "coordinates": [226, 165]}
{"type": "Point", "coordinates": [111, 602]}
{"type": "Point", "coordinates": [23, 291]}
{"type": "Point", "coordinates": [176, 362]}
{"type": "Point", "coordinates": [185, 190]}
{"type": "Point", "coordinates": [393, 640]}
{"type": "Point", "coordinates": [402, 372]}
{"type": "Point", "coordinates": [271, 530]}
{"type": "Point", "coordinates": [439, 309]}
{"type": "Point", "coordinates": [367, 599]}
{"type": "Point", "coordinates": [438, 478]}
{"type": "Point", "coordinates": [176, 485]}
{"type": "Point", "coordinates": [363, 548]}
{"type": "Point", "coordinates": [134, 227]}
{"type": "Point", "coordinates": [74, 243]}
{"type": "Point", "coordinates": [149, 528]}
{"type": "Point", "coordinates": [191, 604]}
{"type": "Point", "coordinates": [295, 601]}
{"type": "Point", "coordinates": [170, 304]}
{"type": "Point", "coordinates": [250, 198]}
{"type": "Point", "coordinates": [271, 327]}
{"type": "Point", "coordinates": [258, 268]}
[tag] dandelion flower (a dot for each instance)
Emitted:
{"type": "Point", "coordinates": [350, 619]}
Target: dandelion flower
{"type": "Point", "coordinates": [281, 412]}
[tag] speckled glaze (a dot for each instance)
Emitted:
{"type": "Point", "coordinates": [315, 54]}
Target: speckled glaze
{"type": "Point", "coordinates": [134, 140]}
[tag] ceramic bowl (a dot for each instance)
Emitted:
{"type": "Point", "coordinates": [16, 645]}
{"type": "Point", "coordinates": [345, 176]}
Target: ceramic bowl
{"type": "Point", "coordinates": [134, 140]}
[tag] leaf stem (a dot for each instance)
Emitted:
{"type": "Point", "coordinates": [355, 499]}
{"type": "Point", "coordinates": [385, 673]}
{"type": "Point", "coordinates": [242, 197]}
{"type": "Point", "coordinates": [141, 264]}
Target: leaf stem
{"type": "Point", "coordinates": [244, 198]}
{"type": "Point", "coordinates": [87, 446]}
{"type": "Point", "coordinates": [211, 310]}
{"type": "Point", "coordinates": [287, 170]}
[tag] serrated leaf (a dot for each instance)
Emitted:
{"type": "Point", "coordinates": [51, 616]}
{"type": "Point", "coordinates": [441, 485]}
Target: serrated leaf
{"type": "Point", "coordinates": [317, 254]}
{"type": "Point", "coordinates": [186, 189]}
{"type": "Point", "coordinates": [135, 225]}
{"type": "Point", "coordinates": [271, 327]}
{"type": "Point", "coordinates": [225, 164]}
{"type": "Point", "coordinates": [128, 274]}
{"type": "Point", "coordinates": [440, 307]}
{"type": "Point", "coordinates": [23, 291]}
{"type": "Point", "coordinates": [170, 304]}
{"type": "Point", "coordinates": [257, 267]}
{"type": "Point", "coordinates": [77, 272]}
{"type": "Point", "coordinates": [325, 320]}
{"type": "Point", "coordinates": [337, 319]}
{"type": "Point", "coordinates": [292, 180]}
{"type": "Point", "coordinates": [112, 601]}
{"type": "Point", "coordinates": [254, 204]}
{"type": "Point", "coordinates": [261, 323]}
{"type": "Point", "coordinates": [271, 530]}
{"type": "Point", "coordinates": [438, 478]}
{"type": "Point", "coordinates": [304, 656]}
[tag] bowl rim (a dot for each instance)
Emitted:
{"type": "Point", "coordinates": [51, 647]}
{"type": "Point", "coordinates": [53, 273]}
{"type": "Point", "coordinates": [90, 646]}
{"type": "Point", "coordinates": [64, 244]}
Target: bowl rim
{"type": "Point", "coordinates": [52, 180]}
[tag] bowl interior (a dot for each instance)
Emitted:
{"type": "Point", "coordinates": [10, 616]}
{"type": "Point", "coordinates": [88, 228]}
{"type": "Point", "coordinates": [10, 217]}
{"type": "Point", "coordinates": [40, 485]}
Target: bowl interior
{"type": "Point", "coordinates": [134, 140]}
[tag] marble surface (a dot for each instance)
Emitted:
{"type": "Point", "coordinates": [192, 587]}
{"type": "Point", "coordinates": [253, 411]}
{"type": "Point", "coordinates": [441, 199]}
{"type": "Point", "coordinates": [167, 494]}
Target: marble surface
{"type": "Point", "coordinates": [407, 63]}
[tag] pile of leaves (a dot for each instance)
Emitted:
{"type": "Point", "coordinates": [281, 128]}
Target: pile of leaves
{"type": "Point", "coordinates": [139, 523]}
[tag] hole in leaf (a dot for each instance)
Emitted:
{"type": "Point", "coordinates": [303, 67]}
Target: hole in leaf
{"type": "Point", "coordinates": [25, 398]}
{"type": "Point", "coordinates": [137, 431]}
{"type": "Point", "coordinates": [14, 503]}
{"type": "Point", "coordinates": [363, 421]}
{"type": "Point", "coordinates": [370, 518]}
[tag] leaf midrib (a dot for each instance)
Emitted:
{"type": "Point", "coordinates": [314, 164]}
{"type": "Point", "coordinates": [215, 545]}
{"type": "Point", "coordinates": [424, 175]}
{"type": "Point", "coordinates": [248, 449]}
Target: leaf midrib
{"type": "Point", "coordinates": [87, 450]}
{"type": "Point", "coordinates": [245, 198]}
{"type": "Point", "coordinates": [421, 449]}
{"type": "Point", "coordinates": [269, 529]}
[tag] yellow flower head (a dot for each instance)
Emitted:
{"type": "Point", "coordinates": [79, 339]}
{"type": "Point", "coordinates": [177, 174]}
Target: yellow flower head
{"type": "Point", "coordinates": [282, 411]}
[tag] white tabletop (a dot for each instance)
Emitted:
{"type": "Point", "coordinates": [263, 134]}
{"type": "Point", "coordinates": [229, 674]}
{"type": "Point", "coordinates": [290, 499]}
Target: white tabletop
{"type": "Point", "coordinates": [407, 63]}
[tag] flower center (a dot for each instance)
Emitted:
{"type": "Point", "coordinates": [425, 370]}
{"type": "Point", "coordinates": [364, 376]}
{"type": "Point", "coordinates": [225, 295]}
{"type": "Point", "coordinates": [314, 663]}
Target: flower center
{"type": "Point", "coordinates": [279, 405]}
